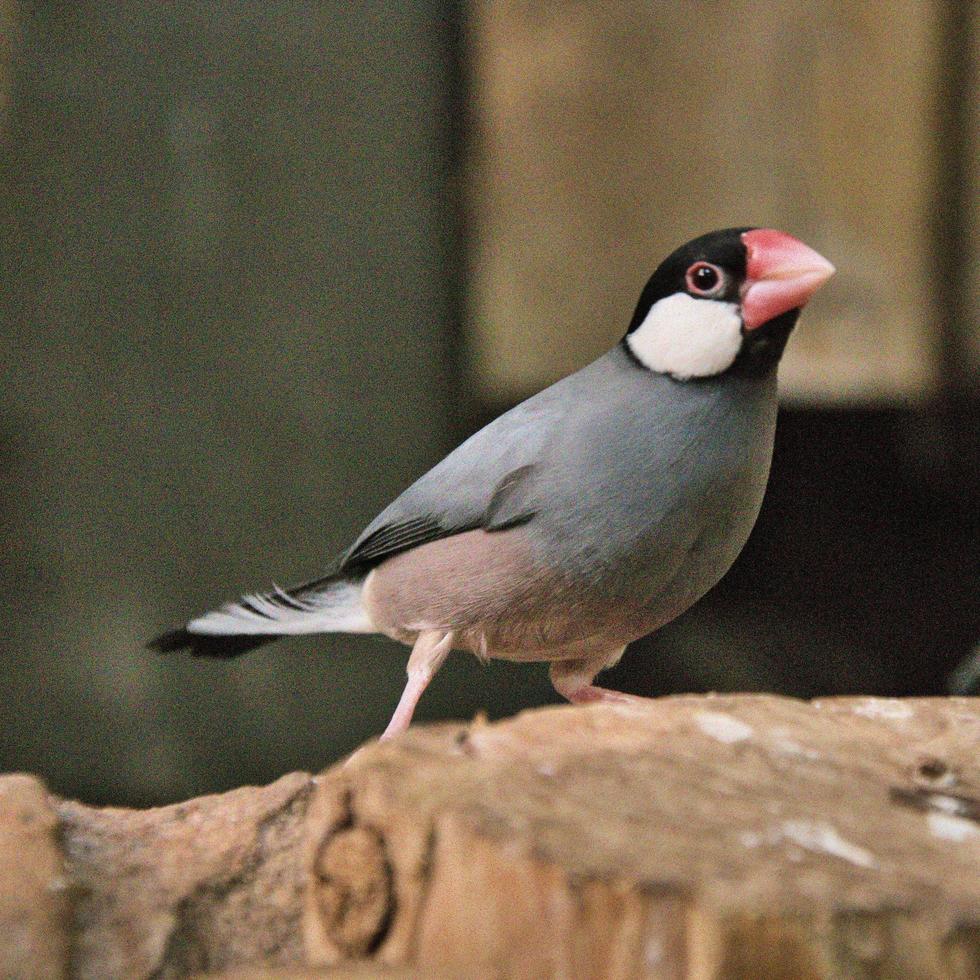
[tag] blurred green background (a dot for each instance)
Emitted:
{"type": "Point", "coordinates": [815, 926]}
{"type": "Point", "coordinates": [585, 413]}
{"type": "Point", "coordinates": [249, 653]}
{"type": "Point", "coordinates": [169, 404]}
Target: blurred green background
{"type": "Point", "coordinates": [264, 263]}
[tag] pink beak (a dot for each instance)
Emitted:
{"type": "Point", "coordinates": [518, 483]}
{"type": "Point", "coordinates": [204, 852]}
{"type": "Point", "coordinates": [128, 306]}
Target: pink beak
{"type": "Point", "coordinates": [781, 274]}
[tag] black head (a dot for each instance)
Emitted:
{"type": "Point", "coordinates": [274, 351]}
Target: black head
{"type": "Point", "coordinates": [724, 301]}
{"type": "Point", "coordinates": [722, 249]}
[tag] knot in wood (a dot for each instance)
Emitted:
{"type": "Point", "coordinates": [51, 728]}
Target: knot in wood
{"type": "Point", "coordinates": [354, 890]}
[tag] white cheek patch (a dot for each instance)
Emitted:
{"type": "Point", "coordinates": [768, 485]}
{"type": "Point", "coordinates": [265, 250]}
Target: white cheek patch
{"type": "Point", "coordinates": [688, 338]}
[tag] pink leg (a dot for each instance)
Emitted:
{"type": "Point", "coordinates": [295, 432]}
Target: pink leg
{"type": "Point", "coordinates": [572, 679]}
{"type": "Point", "coordinates": [430, 650]}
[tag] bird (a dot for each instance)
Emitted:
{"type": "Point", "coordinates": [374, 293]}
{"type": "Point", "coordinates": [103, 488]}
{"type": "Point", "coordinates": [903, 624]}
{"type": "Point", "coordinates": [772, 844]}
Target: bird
{"type": "Point", "coordinates": [587, 516]}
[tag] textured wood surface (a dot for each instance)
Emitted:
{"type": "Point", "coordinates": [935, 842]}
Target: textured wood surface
{"type": "Point", "coordinates": [692, 837]}
{"type": "Point", "coordinates": [34, 906]}
{"type": "Point", "coordinates": [688, 837]}
{"type": "Point", "coordinates": [201, 885]}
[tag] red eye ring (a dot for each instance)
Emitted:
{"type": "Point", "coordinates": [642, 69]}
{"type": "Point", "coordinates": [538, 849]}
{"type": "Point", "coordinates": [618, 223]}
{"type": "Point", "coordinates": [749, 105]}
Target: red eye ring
{"type": "Point", "coordinates": [704, 279]}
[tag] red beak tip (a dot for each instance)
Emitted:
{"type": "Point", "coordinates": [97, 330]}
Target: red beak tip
{"type": "Point", "coordinates": [781, 275]}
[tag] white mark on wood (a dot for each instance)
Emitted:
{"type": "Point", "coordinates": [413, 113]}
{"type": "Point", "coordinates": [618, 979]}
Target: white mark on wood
{"type": "Point", "coordinates": [823, 838]}
{"type": "Point", "coordinates": [812, 836]}
{"type": "Point", "coordinates": [948, 804]}
{"type": "Point", "coordinates": [945, 826]}
{"type": "Point", "coordinates": [785, 745]}
{"type": "Point", "coordinates": [723, 727]}
{"type": "Point", "coordinates": [884, 709]}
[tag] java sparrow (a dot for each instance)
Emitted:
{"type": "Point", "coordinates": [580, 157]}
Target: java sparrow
{"type": "Point", "coordinates": [589, 515]}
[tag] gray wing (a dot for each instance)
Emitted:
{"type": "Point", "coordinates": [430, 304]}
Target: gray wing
{"type": "Point", "coordinates": [484, 483]}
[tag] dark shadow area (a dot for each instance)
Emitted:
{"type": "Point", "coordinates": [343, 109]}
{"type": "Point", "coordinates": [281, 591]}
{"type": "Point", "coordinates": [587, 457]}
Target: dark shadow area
{"type": "Point", "coordinates": [861, 576]}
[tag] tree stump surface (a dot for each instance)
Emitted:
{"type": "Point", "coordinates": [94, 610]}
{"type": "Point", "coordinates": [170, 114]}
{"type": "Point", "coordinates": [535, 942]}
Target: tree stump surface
{"type": "Point", "coordinates": [697, 837]}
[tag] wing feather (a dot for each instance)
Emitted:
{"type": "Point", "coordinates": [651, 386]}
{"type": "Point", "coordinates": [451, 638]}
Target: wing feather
{"type": "Point", "coordinates": [488, 482]}
{"type": "Point", "coordinates": [390, 539]}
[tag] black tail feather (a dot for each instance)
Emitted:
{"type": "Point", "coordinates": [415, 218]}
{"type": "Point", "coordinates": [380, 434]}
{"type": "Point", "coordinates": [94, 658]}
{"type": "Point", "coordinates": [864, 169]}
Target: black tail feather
{"type": "Point", "coordinates": [199, 645]}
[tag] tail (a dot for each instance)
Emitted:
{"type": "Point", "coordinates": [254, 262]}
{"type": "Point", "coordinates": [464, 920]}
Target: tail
{"type": "Point", "coordinates": [327, 605]}
{"type": "Point", "coordinates": [199, 645]}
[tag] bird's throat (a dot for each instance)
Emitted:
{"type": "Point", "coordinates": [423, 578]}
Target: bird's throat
{"type": "Point", "coordinates": [763, 347]}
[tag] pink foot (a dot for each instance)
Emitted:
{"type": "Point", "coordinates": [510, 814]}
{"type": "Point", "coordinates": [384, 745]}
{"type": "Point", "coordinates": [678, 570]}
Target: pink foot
{"type": "Point", "coordinates": [573, 680]}
{"type": "Point", "coordinates": [430, 650]}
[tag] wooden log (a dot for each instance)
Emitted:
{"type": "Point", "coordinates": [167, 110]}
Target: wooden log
{"type": "Point", "coordinates": [198, 886]}
{"type": "Point", "coordinates": [34, 908]}
{"type": "Point", "coordinates": [686, 837]}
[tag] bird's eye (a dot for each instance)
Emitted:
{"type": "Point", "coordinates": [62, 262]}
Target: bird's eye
{"type": "Point", "coordinates": [705, 279]}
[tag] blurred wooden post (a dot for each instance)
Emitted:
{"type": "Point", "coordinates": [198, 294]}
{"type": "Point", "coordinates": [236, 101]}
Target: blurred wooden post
{"type": "Point", "coordinates": [608, 133]}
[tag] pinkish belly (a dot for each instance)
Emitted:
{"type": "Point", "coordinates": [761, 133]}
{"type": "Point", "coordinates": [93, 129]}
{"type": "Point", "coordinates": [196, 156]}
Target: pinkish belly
{"type": "Point", "coordinates": [489, 591]}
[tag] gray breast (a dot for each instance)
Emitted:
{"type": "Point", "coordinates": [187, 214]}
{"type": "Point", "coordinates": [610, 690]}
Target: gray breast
{"type": "Point", "coordinates": [653, 487]}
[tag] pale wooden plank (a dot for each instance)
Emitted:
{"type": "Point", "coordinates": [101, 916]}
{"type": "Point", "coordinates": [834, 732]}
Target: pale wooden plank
{"type": "Point", "coordinates": [607, 133]}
